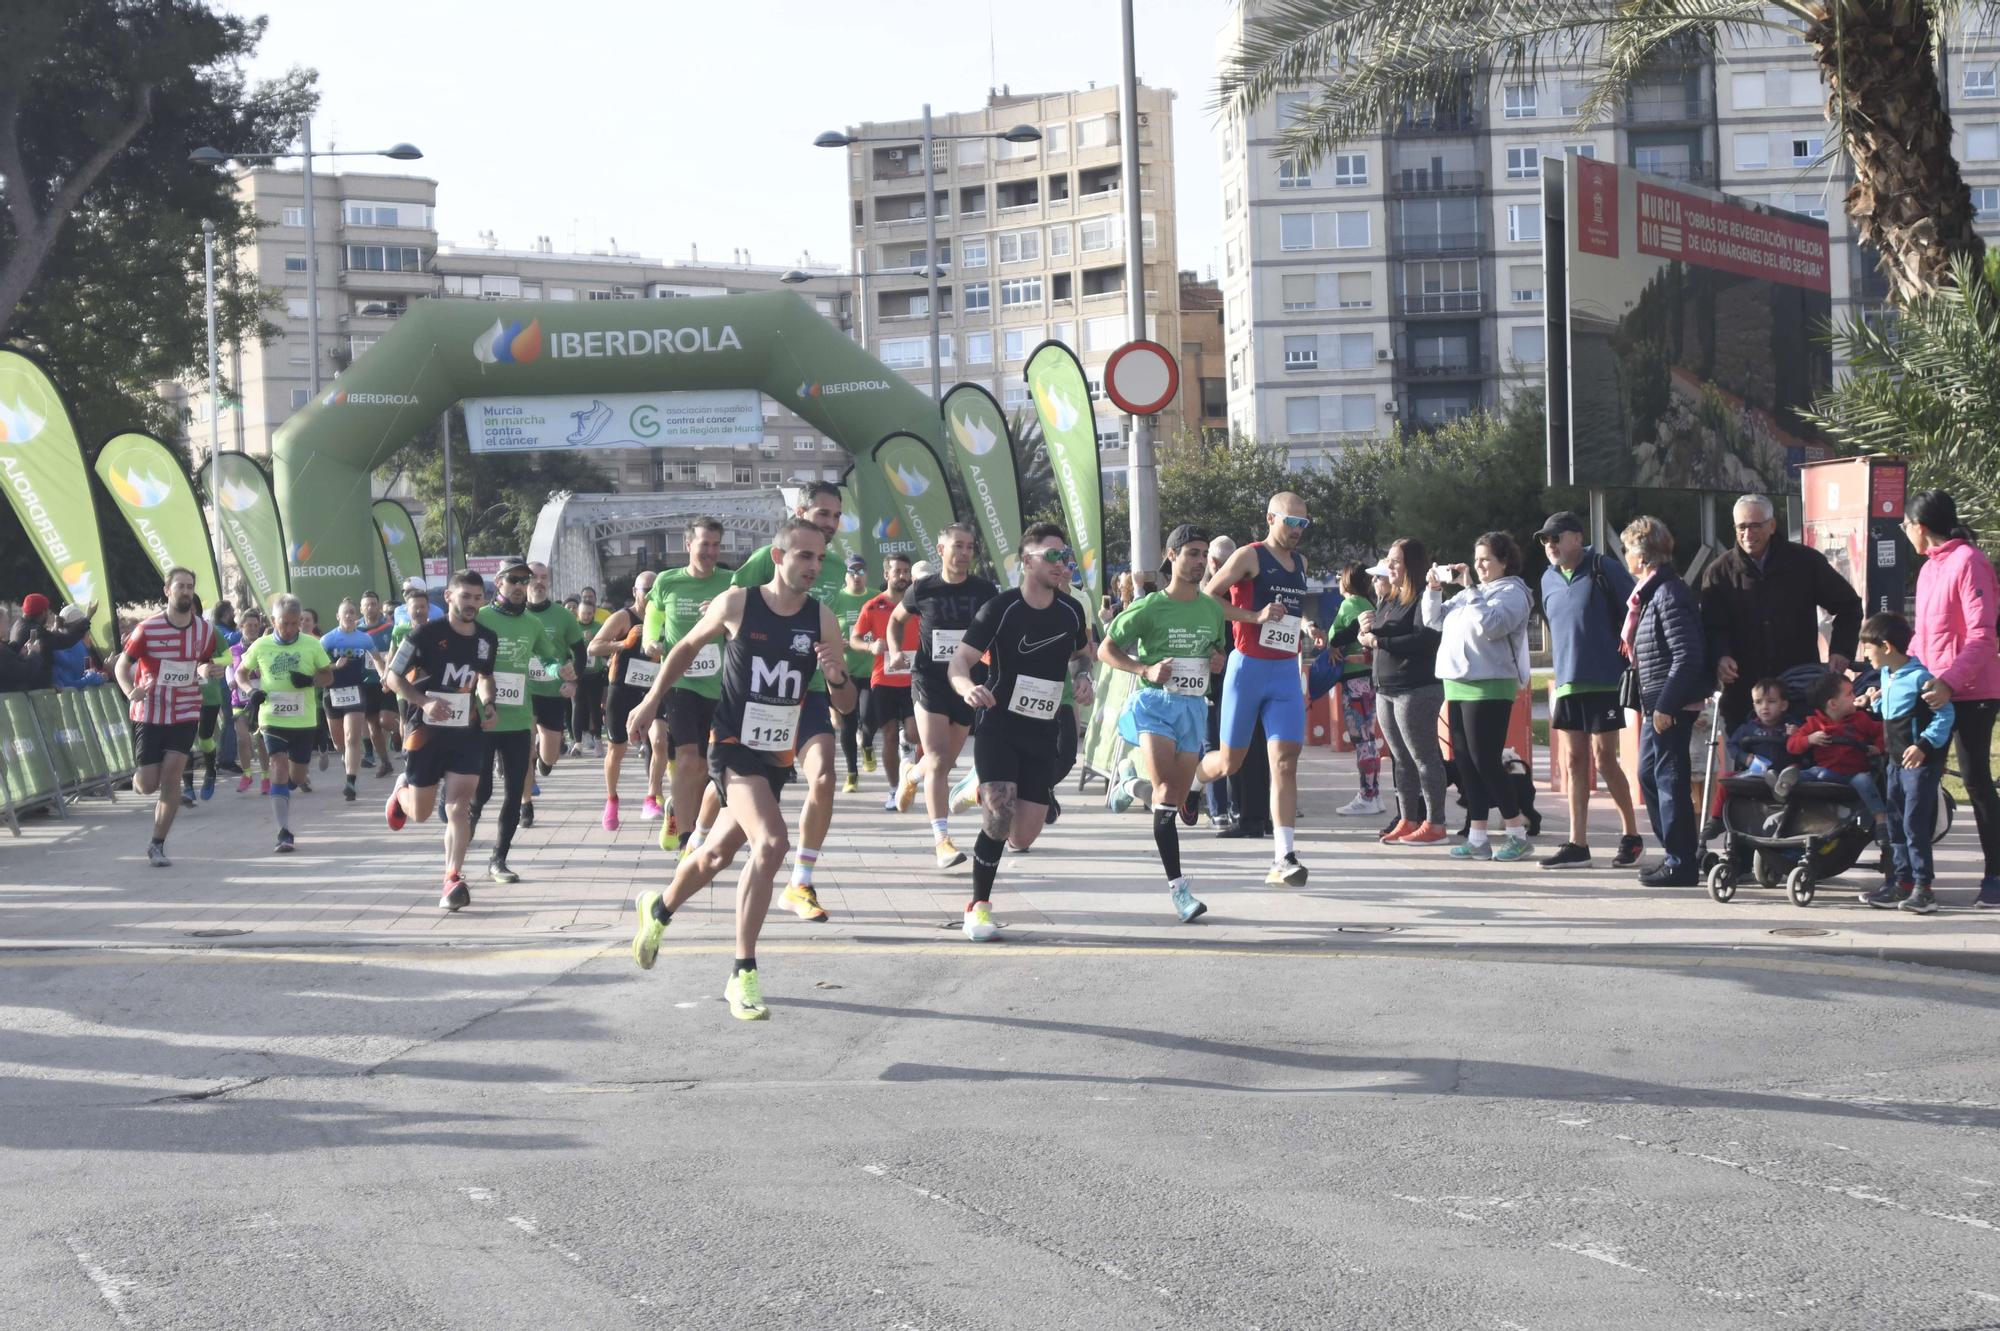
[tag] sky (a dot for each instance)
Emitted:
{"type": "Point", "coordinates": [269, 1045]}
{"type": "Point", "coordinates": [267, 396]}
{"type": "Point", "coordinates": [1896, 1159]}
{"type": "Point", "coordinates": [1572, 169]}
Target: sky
{"type": "Point", "coordinates": [669, 125]}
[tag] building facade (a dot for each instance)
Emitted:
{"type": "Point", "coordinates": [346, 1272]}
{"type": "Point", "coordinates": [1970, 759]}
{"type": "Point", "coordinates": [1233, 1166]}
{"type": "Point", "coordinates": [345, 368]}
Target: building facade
{"type": "Point", "coordinates": [1400, 279]}
{"type": "Point", "coordinates": [1031, 238]}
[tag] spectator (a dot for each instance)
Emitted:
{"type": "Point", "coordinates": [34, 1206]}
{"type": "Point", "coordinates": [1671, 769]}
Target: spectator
{"type": "Point", "coordinates": [1760, 604]}
{"type": "Point", "coordinates": [37, 635]}
{"type": "Point", "coordinates": [1953, 636]}
{"type": "Point", "coordinates": [74, 667]}
{"type": "Point", "coordinates": [1663, 639]}
{"type": "Point", "coordinates": [1584, 595]}
{"type": "Point", "coordinates": [1483, 661]}
{"type": "Point", "coordinates": [1222, 807]}
{"type": "Point", "coordinates": [1408, 697]}
{"type": "Point", "coordinates": [1355, 692]}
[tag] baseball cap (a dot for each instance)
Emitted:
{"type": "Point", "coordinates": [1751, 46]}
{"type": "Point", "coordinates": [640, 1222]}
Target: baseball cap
{"type": "Point", "coordinates": [74, 614]}
{"type": "Point", "coordinates": [34, 605]}
{"type": "Point", "coordinates": [1559, 523]}
{"type": "Point", "coordinates": [1184, 533]}
{"type": "Point", "coordinates": [415, 585]}
{"type": "Point", "coordinates": [1380, 568]}
{"type": "Point", "coordinates": [856, 561]}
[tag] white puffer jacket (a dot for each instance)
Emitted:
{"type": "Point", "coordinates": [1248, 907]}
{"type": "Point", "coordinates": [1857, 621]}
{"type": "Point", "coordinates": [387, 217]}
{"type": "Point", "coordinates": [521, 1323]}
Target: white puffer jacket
{"type": "Point", "coordinates": [1485, 630]}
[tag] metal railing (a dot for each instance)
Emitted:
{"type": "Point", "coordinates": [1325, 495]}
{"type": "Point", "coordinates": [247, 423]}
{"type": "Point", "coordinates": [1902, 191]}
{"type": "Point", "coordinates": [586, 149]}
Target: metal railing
{"type": "Point", "coordinates": [1425, 181]}
{"type": "Point", "coordinates": [1441, 302]}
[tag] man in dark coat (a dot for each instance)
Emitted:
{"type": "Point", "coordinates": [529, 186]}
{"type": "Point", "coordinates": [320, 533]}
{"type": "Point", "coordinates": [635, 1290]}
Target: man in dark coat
{"type": "Point", "coordinates": [38, 635]}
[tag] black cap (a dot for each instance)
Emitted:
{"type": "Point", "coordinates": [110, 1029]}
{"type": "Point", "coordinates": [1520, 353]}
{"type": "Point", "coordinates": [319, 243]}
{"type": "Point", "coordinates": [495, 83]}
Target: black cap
{"type": "Point", "coordinates": [1184, 533]}
{"type": "Point", "coordinates": [1559, 523]}
{"type": "Point", "coordinates": [510, 566]}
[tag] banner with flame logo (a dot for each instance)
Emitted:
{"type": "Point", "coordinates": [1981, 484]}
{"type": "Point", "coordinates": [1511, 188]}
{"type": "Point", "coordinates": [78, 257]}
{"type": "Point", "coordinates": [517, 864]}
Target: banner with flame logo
{"type": "Point", "coordinates": [153, 491]}
{"type": "Point", "coordinates": [1069, 431]}
{"type": "Point", "coordinates": [984, 450]}
{"type": "Point", "coordinates": [400, 544]}
{"type": "Point", "coordinates": [49, 488]}
{"type": "Point", "coordinates": [916, 482]}
{"type": "Point", "coordinates": [251, 527]}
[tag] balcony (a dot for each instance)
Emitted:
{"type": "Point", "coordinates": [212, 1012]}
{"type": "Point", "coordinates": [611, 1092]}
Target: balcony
{"type": "Point", "coordinates": [1688, 173]}
{"type": "Point", "coordinates": [1450, 242]}
{"type": "Point", "coordinates": [1675, 106]}
{"type": "Point", "coordinates": [1438, 122]}
{"type": "Point", "coordinates": [1426, 181]}
{"type": "Point", "coordinates": [1438, 365]}
{"type": "Point", "coordinates": [1440, 302]}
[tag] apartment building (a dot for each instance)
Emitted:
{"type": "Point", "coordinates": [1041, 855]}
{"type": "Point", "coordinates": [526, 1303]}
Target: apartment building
{"type": "Point", "coordinates": [1031, 238]}
{"type": "Point", "coordinates": [1400, 279]}
{"type": "Point", "coordinates": [1204, 399]}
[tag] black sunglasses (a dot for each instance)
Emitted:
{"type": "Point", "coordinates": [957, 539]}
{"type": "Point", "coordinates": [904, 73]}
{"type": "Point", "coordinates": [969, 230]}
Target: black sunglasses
{"type": "Point", "coordinates": [517, 577]}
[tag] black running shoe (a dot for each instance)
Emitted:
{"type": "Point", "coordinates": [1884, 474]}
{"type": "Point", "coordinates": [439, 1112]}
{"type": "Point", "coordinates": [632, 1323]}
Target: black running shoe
{"type": "Point", "coordinates": [285, 845]}
{"type": "Point", "coordinates": [527, 815]}
{"type": "Point", "coordinates": [456, 895]}
{"type": "Point", "coordinates": [1055, 812]}
{"type": "Point", "coordinates": [1568, 855]}
{"type": "Point", "coordinates": [1888, 896]}
{"type": "Point", "coordinates": [1630, 848]}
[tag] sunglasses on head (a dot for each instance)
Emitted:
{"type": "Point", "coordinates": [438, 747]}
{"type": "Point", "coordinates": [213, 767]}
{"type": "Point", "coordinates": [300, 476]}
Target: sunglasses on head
{"type": "Point", "coordinates": [1056, 554]}
{"type": "Point", "coordinates": [1297, 524]}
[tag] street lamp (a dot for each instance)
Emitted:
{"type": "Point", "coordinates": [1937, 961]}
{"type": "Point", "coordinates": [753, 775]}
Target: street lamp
{"type": "Point", "coordinates": [797, 276]}
{"type": "Point", "coordinates": [834, 138]}
{"type": "Point", "coordinates": [401, 152]}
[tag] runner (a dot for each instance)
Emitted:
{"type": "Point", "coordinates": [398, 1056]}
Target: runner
{"type": "Point", "coordinates": [891, 712]}
{"type": "Point", "coordinates": [551, 695]}
{"type": "Point", "coordinates": [349, 709]}
{"type": "Point", "coordinates": [439, 669]}
{"type": "Point", "coordinates": [212, 690]}
{"type": "Point", "coordinates": [679, 598]}
{"type": "Point", "coordinates": [522, 642]}
{"type": "Point", "coordinates": [846, 605]}
{"type": "Point", "coordinates": [945, 604]}
{"type": "Point", "coordinates": [247, 700]}
{"type": "Point", "coordinates": [289, 667]}
{"type": "Point", "coordinates": [779, 639]}
{"type": "Point", "coordinates": [1263, 679]}
{"type": "Point", "coordinates": [1172, 641]}
{"type": "Point", "coordinates": [1036, 637]}
{"type": "Point", "coordinates": [382, 729]}
{"type": "Point", "coordinates": [587, 715]}
{"type": "Point", "coordinates": [631, 674]}
{"type": "Point", "coordinates": [160, 669]}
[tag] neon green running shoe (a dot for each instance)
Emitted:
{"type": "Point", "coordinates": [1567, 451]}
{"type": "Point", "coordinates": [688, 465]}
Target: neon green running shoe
{"type": "Point", "coordinates": [670, 834]}
{"type": "Point", "coordinates": [746, 1000]}
{"type": "Point", "coordinates": [646, 939]}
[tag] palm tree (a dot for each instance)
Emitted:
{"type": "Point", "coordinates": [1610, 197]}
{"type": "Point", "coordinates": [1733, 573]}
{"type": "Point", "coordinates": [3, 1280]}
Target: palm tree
{"type": "Point", "coordinates": [1369, 63]}
{"type": "Point", "coordinates": [1926, 386]}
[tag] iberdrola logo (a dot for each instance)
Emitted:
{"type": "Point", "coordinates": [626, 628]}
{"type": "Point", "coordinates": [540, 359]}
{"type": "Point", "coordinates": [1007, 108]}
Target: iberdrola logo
{"type": "Point", "coordinates": [238, 498]}
{"type": "Point", "coordinates": [302, 552]}
{"type": "Point", "coordinates": [393, 535]}
{"type": "Point", "coordinates": [509, 344]}
{"type": "Point", "coordinates": [908, 483]}
{"type": "Point", "coordinates": [139, 490]}
{"type": "Point", "coordinates": [974, 435]}
{"type": "Point", "coordinates": [850, 522]}
{"type": "Point", "coordinates": [18, 424]}
{"type": "Point", "coordinates": [1056, 407]}
{"type": "Point", "coordinates": [888, 529]}
{"type": "Point", "coordinates": [76, 577]}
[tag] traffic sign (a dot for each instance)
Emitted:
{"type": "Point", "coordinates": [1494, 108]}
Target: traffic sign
{"type": "Point", "coordinates": [1142, 378]}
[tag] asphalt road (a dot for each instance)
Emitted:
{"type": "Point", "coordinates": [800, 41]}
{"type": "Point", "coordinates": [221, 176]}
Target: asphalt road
{"type": "Point", "coordinates": [929, 1134]}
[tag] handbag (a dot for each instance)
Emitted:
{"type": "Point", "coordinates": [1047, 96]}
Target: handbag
{"type": "Point", "coordinates": [1628, 689]}
{"type": "Point", "coordinates": [1628, 683]}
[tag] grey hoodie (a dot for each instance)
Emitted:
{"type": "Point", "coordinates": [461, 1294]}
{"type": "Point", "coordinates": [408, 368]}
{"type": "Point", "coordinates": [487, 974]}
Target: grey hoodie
{"type": "Point", "coordinates": [1485, 630]}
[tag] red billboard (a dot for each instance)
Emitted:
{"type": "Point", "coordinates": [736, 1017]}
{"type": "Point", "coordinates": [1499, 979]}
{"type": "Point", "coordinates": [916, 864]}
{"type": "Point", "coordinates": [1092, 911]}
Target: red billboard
{"type": "Point", "coordinates": [1674, 224]}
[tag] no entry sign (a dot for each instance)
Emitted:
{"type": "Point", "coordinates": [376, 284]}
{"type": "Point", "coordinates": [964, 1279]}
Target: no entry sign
{"type": "Point", "coordinates": [1142, 378]}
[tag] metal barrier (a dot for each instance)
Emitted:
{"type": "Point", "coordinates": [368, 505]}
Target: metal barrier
{"type": "Point", "coordinates": [58, 745]}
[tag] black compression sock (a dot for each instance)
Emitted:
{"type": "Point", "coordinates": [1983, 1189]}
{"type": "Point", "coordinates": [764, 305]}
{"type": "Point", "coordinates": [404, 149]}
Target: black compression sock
{"type": "Point", "coordinates": [1167, 836]}
{"type": "Point", "coordinates": [985, 863]}
{"type": "Point", "coordinates": [744, 964]}
{"type": "Point", "coordinates": [660, 911]}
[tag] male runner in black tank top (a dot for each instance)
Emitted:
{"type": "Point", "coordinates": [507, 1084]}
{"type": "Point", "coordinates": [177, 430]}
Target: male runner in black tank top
{"type": "Point", "coordinates": [778, 637]}
{"type": "Point", "coordinates": [1037, 636]}
{"type": "Point", "coordinates": [618, 639]}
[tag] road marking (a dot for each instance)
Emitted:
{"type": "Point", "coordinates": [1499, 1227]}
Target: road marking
{"type": "Point", "coordinates": [113, 1287]}
{"type": "Point", "coordinates": [1602, 1252]}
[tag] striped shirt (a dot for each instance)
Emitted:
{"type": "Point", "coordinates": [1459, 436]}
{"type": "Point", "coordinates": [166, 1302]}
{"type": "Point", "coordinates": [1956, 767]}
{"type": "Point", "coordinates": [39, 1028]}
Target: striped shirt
{"type": "Point", "coordinates": [157, 646]}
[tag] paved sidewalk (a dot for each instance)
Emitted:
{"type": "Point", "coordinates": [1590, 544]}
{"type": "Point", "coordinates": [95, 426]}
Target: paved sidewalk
{"type": "Point", "coordinates": [1093, 878]}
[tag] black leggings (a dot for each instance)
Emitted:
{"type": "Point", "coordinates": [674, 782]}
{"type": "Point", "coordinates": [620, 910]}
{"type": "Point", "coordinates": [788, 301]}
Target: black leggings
{"type": "Point", "coordinates": [586, 716]}
{"type": "Point", "coordinates": [850, 726]}
{"type": "Point", "coordinates": [1973, 737]}
{"type": "Point", "coordinates": [512, 748]}
{"type": "Point", "coordinates": [1478, 733]}
{"type": "Point", "coordinates": [1066, 741]}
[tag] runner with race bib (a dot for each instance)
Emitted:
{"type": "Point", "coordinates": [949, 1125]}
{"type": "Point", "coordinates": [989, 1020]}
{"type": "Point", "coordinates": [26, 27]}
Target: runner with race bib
{"type": "Point", "coordinates": [523, 642]}
{"type": "Point", "coordinates": [779, 638]}
{"type": "Point", "coordinates": [678, 598]}
{"type": "Point", "coordinates": [1035, 637]}
{"type": "Point", "coordinates": [161, 669]}
{"type": "Point", "coordinates": [890, 710]}
{"type": "Point", "coordinates": [550, 691]}
{"type": "Point", "coordinates": [289, 667]}
{"type": "Point", "coordinates": [348, 706]}
{"type": "Point", "coordinates": [620, 639]}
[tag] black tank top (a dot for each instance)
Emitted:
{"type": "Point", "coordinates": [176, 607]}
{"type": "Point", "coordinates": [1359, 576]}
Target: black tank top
{"type": "Point", "coordinates": [764, 676]}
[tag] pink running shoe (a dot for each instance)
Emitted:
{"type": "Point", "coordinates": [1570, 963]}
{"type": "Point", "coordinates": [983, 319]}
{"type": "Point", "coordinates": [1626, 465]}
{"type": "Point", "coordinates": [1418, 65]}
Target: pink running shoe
{"type": "Point", "coordinates": [243, 785]}
{"type": "Point", "coordinates": [611, 815]}
{"type": "Point", "coordinates": [652, 809]}
{"type": "Point", "coordinates": [267, 787]}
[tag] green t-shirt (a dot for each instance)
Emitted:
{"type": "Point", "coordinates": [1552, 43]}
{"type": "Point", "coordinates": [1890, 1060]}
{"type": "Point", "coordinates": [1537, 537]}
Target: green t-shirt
{"type": "Point", "coordinates": [566, 633]}
{"type": "Point", "coordinates": [846, 607]}
{"type": "Point", "coordinates": [287, 706]}
{"type": "Point", "coordinates": [757, 571]}
{"type": "Point", "coordinates": [1351, 609]}
{"type": "Point", "coordinates": [1154, 628]}
{"type": "Point", "coordinates": [673, 608]}
{"type": "Point", "coordinates": [523, 639]}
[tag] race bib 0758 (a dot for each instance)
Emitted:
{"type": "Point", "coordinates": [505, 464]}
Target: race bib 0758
{"type": "Point", "coordinates": [1036, 699]}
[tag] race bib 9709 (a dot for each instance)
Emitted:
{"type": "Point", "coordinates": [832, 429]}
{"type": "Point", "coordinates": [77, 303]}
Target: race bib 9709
{"type": "Point", "coordinates": [1036, 699]}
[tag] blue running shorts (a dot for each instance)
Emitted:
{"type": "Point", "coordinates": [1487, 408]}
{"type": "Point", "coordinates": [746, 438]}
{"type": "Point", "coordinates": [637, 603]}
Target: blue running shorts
{"type": "Point", "coordinates": [1180, 717]}
{"type": "Point", "coordinates": [1256, 689]}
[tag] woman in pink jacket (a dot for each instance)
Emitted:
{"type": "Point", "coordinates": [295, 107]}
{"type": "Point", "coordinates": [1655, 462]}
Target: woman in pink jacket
{"type": "Point", "coordinates": [1958, 602]}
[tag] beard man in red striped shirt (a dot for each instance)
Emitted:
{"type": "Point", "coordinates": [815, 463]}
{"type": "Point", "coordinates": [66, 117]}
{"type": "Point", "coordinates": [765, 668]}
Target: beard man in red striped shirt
{"type": "Point", "coordinates": [161, 670]}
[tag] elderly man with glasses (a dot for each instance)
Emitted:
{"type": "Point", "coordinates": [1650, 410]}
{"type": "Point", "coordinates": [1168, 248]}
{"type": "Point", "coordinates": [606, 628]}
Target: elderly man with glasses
{"type": "Point", "coordinates": [1760, 607]}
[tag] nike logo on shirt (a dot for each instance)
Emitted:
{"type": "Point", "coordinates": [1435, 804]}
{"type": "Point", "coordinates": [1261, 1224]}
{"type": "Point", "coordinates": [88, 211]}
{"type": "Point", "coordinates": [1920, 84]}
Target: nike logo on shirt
{"type": "Point", "coordinates": [1028, 647]}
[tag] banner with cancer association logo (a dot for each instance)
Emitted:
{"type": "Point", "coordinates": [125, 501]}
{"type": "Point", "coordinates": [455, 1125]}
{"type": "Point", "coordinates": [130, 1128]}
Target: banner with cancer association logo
{"type": "Point", "coordinates": [250, 525]}
{"type": "Point", "coordinates": [153, 492]}
{"type": "Point", "coordinates": [400, 543]}
{"type": "Point", "coordinates": [917, 481]}
{"type": "Point", "coordinates": [1069, 431]}
{"type": "Point", "coordinates": [984, 450]}
{"type": "Point", "coordinates": [42, 468]}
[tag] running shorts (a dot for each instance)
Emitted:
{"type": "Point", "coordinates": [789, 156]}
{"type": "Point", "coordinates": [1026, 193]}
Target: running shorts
{"type": "Point", "coordinates": [155, 741]}
{"type": "Point", "coordinates": [1259, 690]}
{"type": "Point", "coordinates": [294, 742]}
{"type": "Point", "coordinates": [939, 698]}
{"type": "Point", "coordinates": [431, 752]}
{"type": "Point", "coordinates": [726, 758]}
{"type": "Point", "coordinates": [1179, 717]}
{"type": "Point", "coordinates": [688, 716]}
{"type": "Point", "coordinates": [998, 755]}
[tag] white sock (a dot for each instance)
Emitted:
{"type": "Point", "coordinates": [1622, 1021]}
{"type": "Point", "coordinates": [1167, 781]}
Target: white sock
{"type": "Point", "coordinates": [941, 827]}
{"type": "Point", "coordinates": [696, 837]}
{"type": "Point", "coordinates": [1282, 841]}
{"type": "Point", "coordinates": [1475, 836]}
{"type": "Point", "coordinates": [1519, 833]}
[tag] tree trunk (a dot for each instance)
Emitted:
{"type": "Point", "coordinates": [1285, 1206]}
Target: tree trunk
{"type": "Point", "coordinates": [1908, 199]}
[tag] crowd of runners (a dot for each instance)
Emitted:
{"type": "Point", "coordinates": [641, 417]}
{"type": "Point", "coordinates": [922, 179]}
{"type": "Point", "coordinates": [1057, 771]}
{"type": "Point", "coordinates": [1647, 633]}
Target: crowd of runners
{"type": "Point", "coordinates": [736, 685]}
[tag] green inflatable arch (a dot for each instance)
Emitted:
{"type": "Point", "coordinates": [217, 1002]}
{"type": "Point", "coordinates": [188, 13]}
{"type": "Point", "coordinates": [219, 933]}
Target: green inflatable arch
{"type": "Point", "coordinates": [444, 351]}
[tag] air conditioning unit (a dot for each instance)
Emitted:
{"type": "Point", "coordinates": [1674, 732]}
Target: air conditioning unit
{"type": "Point", "coordinates": [1145, 118]}
{"type": "Point", "coordinates": [1392, 406]}
{"type": "Point", "coordinates": [895, 154]}
{"type": "Point", "coordinates": [1385, 353]}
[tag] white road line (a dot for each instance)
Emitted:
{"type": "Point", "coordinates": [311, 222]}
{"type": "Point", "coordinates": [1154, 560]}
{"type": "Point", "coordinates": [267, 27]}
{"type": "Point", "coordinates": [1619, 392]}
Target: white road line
{"type": "Point", "coordinates": [1602, 1252]}
{"type": "Point", "coordinates": [115, 1288]}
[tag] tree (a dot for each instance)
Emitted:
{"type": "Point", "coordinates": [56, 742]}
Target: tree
{"type": "Point", "coordinates": [1369, 65]}
{"type": "Point", "coordinates": [1925, 386]}
{"type": "Point", "coordinates": [497, 497]}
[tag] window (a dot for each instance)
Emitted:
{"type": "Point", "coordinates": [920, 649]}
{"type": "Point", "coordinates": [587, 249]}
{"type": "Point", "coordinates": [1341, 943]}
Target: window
{"type": "Point", "coordinates": [1020, 246]}
{"type": "Point", "coordinates": [1349, 231]}
{"type": "Point", "coordinates": [1105, 333]}
{"type": "Point", "coordinates": [1528, 343]}
{"type": "Point", "coordinates": [1979, 81]}
{"type": "Point", "coordinates": [1344, 413]}
{"type": "Point", "coordinates": [1014, 344]}
{"type": "Point", "coordinates": [1351, 351]}
{"type": "Point", "coordinates": [1064, 332]}
{"type": "Point", "coordinates": [358, 344]}
{"type": "Point", "coordinates": [1291, 107]}
{"type": "Point", "coordinates": [1059, 241]}
{"type": "Point", "coordinates": [1524, 283]}
{"type": "Point", "coordinates": [373, 214]}
{"type": "Point", "coordinates": [1748, 91]}
{"type": "Point", "coordinates": [972, 252]}
{"type": "Point", "coordinates": [1020, 291]}
{"type": "Point", "coordinates": [979, 348]}
{"type": "Point", "coordinates": [1298, 291]}
{"type": "Point", "coordinates": [1986, 203]}
{"type": "Point", "coordinates": [1808, 205]}
{"type": "Point", "coordinates": [295, 263]}
{"type": "Point", "coordinates": [1982, 143]}
{"type": "Point", "coordinates": [1055, 139]}
{"type": "Point", "coordinates": [597, 295]}
{"type": "Point", "coordinates": [828, 446]}
{"type": "Point", "coordinates": [770, 476]}
{"type": "Point", "coordinates": [1094, 132]}
{"type": "Point", "coordinates": [1350, 169]}
{"type": "Point", "coordinates": [299, 396]}
{"type": "Point", "coordinates": [1581, 149]}
{"type": "Point", "coordinates": [1524, 163]}
{"type": "Point", "coordinates": [295, 217]}
{"type": "Point", "coordinates": [385, 258]}
{"type": "Point", "coordinates": [1524, 221]}
{"type": "Point", "coordinates": [1013, 396]}
{"type": "Point", "coordinates": [1357, 412]}
{"type": "Point", "coordinates": [977, 296]}
{"type": "Point", "coordinates": [296, 307]}
{"type": "Point", "coordinates": [1294, 174]}
{"type": "Point", "coordinates": [1752, 152]}
{"type": "Point", "coordinates": [1092, 236]}
{"type": "Point", "coordinates": [1522, 101]}
{"type": "Point", "coordinates": [743, 473]}
{"type": "Point", "coordinates": [902, 353]}
{"type": "Point", "coordinates": [1301, 415]}
{"type": "Point", "coordinates": [1806, 149]}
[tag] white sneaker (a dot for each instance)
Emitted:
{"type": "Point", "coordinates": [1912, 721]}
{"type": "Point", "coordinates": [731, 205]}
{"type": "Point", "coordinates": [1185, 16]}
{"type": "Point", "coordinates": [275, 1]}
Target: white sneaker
{"type": "Point", "coordinates": [979, 926]}
{"type": "Point", "coordinates": [1358, 806]}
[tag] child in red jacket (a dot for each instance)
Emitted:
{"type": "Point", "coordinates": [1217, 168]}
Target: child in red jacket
{"type": "Point", "coordinates": [1840, 739]}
